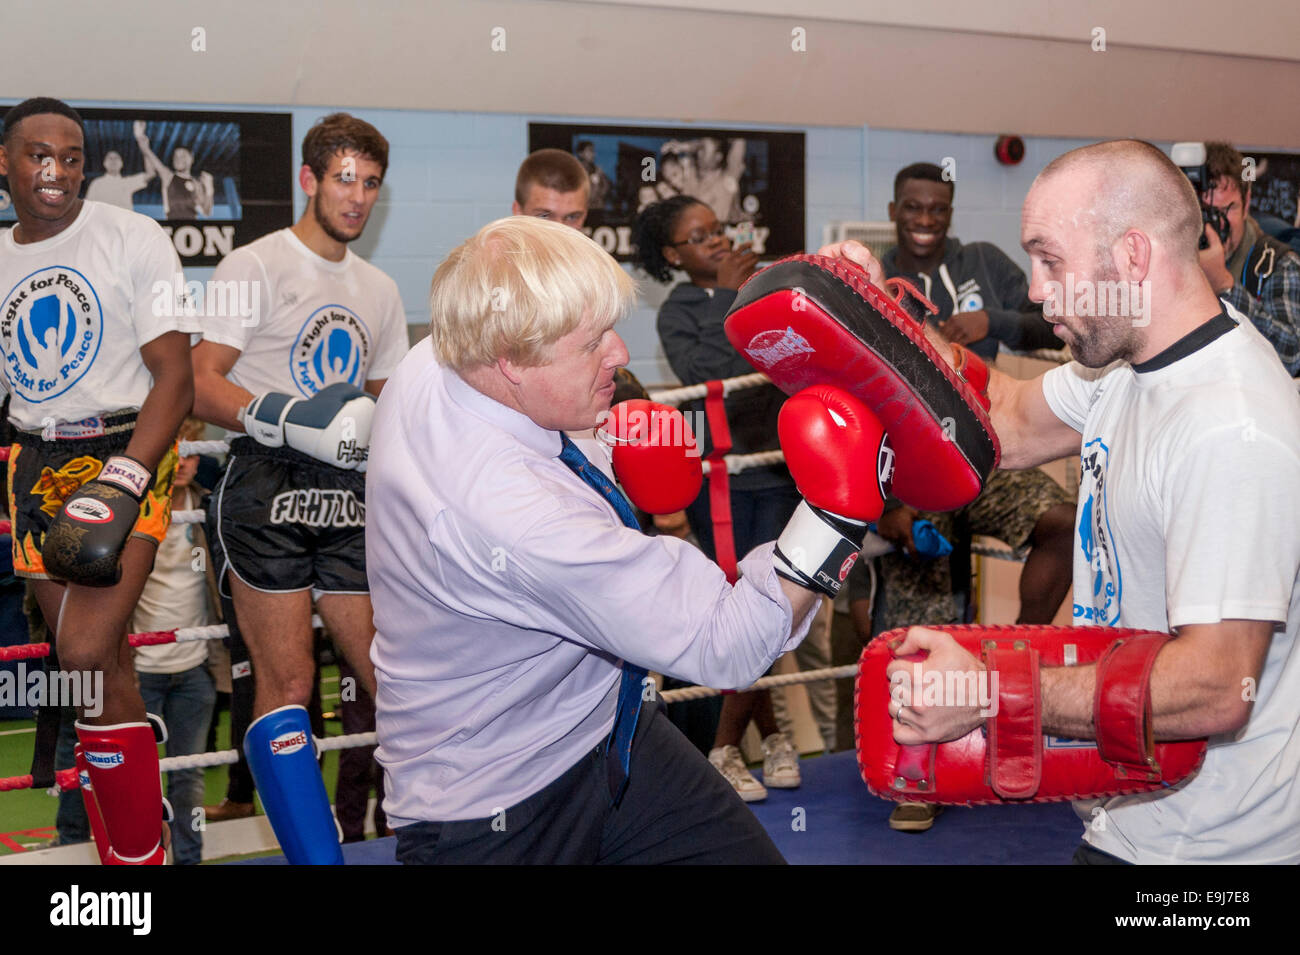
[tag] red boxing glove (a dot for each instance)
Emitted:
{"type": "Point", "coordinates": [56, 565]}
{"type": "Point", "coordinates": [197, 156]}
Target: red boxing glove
{"type": "Point", "coordinates": [837, 452]}
{"type": "Point", "coordinates": [842, 463]}
{"type": "Point", "coordinates": [656, 457]}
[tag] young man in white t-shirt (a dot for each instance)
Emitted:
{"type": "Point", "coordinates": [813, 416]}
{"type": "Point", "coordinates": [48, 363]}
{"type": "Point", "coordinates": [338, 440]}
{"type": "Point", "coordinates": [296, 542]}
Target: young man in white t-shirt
{"type": "Point", "coordinates": [95, 342]}
{"type": "Point", "coordinates": [1189, 508]}
{"type": "Point", "coordinates": [287, 520]}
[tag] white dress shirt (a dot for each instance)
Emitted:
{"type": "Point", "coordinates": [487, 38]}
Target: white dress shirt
{"type": "Point", "coordinates": [507, 593]}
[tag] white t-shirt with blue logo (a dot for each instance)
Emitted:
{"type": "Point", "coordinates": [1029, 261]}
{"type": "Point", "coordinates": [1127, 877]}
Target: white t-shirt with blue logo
{"type": "Point", "coordinates": [77, 307]}
{"type": "Point", "coordinates": [1189, 513]}
{"type": "Point", "coordinates": [305, 322]}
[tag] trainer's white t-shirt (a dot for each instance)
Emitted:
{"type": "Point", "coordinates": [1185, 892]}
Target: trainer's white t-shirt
{"type": "Point", "coordinates": [117, 190]}
{"type": "Point", "coordinates": [76, 310]}
{"type": "Point", "coordinates": [306, 322]}
{"type": "Point", "coordinates": [1189, 513]}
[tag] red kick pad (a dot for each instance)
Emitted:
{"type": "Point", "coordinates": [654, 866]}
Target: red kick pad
{"type": "Point", "coordinates": [814, 320]}
{"type": "Point", "coordinates": [1009, 760]}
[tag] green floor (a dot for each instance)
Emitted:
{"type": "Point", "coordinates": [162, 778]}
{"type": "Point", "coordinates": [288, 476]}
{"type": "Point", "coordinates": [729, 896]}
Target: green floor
{"type": "Point", "coordinates": [27, 817]}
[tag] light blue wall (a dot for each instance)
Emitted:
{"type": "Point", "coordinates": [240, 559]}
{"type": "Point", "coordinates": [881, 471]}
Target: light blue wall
{"type": "Point", "coordinates": [449, 173]}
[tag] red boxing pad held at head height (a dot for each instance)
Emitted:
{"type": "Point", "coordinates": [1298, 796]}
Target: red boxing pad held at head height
{"type": "Point", "coordinates": [812, 319]}
{"type": "Point", "coordinates": [656, 456]}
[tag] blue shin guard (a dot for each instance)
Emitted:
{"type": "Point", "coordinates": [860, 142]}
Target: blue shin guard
{"type": "Point", "coordinates": [282, 758]}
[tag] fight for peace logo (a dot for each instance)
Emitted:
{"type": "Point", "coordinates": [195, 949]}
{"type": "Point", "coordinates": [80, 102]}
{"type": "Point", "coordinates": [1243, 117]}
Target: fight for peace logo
{"type": "Point", "coordinates": [1097, 541]}
{"type": "Point", "coordinates": [333, 345]}
{"type": "Point", "coordinates": [50, 331]}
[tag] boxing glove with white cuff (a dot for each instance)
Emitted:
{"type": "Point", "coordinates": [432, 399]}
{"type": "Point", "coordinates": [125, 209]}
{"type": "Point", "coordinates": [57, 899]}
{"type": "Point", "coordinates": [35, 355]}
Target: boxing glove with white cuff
{"type": "Point", "coordinates": [332, 425]}
{"type": "Point", "coordinates": [842, 463]}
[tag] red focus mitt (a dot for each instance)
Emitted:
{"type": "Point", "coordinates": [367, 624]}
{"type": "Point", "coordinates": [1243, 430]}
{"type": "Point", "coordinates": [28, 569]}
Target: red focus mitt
{"type": "Point", "coordinates": [655, 454]}
{"type": "Point", "coordinates": [811, 319]}
{"type": "Point", "coordinates": [1009, 758]}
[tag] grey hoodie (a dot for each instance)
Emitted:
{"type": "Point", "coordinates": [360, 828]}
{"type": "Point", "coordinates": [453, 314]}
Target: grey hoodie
{"type": "Point", "coordinates": [982, 277]}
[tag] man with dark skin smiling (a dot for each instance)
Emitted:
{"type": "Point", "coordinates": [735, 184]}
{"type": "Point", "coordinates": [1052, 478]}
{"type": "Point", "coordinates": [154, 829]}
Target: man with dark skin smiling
{"type": "Point", "coordinates": [983, 301]}
{"type": "Point", "coordinates": [95, 430]}
{"type": "Point", "coordinates": [981, 294]}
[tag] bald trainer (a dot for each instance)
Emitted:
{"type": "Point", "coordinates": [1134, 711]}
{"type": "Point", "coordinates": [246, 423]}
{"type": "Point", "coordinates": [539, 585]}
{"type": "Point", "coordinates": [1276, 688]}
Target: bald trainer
{"type": "Point", "coordinates": [1189, 507]}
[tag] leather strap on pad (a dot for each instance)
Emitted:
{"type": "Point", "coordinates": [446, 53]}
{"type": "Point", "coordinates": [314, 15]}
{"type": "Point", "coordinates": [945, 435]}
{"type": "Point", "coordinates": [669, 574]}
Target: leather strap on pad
{"type": "Point", "coordinates": [1015, 748]}
{"type": "Point", "coordinates": [1122, 705]}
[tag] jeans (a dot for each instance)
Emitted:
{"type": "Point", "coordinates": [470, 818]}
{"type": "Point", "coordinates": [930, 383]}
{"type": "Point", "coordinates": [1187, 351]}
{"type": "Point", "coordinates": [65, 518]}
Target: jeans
{"type": "Point", "coordinates": [70, 821]}
{"type": "Point", "coordinates": [184, 700]}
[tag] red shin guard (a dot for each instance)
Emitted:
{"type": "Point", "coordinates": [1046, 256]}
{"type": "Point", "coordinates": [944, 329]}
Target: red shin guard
{"type": "Point", "coordinates": [122, 760]}
{"type": "Point", "coordinates": [92, 808]}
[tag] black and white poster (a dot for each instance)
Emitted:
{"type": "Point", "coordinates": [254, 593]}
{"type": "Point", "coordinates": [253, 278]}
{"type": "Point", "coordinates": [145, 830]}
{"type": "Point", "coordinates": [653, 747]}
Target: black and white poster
{"type": "Point", "coordinates": [746, 176]}
{"type": "Point", "coordinates": [213, 180]}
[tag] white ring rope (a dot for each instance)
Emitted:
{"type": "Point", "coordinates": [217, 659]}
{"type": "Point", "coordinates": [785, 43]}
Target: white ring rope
{"type": "Point", "coordinates": [215, 631]}
{"type": "Point", "coordinates": [673, 396]}
{"type": "Point", "coordinates": [741, 462]}
{"type": "Point", "coordinates": [188, 448]}
{"type": "Point", "coordinates": [782, 679]}
{"type": "Point", "coordinates": [227, 757]}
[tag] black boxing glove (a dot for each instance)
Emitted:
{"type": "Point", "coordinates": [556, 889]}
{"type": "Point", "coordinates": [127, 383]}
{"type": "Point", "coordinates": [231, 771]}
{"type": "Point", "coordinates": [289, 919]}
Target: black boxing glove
{"type": "Point", "coordinates": [85, 541]}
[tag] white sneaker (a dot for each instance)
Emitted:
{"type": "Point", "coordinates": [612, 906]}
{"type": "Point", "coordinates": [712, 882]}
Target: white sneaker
{"type": "Point", "coordinates": [728, 761]}
{"type": "Point", "coordinates": [780, 763]}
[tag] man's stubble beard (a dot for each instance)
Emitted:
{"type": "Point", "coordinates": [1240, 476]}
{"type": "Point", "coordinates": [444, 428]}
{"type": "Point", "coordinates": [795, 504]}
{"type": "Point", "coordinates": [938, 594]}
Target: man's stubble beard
{"type": "Point", "coordinates": [1105, 338]}
{"type": "Point", "coordinates": [329, 230]}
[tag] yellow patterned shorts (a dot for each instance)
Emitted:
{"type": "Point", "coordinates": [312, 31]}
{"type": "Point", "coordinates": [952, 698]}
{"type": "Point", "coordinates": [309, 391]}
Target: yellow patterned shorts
{"type": "Point", "coordinates": [43, 474]}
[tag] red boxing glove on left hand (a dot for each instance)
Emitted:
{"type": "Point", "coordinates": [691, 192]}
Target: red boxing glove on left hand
{"type": "Point", "coordinates": [656, 457]}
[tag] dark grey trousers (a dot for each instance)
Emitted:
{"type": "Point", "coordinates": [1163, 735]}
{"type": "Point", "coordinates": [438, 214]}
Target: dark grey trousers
{"type": "Point", "coordinates": [677, 809]}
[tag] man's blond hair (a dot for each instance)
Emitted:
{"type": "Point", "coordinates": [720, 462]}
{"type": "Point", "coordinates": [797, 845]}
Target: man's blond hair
{"type": "Point", "coordinates": [518, 286]}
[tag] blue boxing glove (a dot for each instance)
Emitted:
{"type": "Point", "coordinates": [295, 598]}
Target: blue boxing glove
{"type": "Point", "coordinates": [332, 425]}
{"type": "Point", "coordinates": [928, 541]}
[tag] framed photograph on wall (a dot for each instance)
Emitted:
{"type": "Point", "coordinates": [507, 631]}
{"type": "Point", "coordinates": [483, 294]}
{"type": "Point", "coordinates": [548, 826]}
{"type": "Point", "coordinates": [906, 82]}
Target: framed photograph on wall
{"type": "Point", "coordinates": [1276, 191]}
{"type": "Point", "coordinates": [213, 180]}
{"type": "Point", "coordinates": [750, 178]}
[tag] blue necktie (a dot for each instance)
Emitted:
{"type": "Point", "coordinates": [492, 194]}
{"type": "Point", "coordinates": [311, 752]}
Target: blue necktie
{"type": "Point", "coordinates": [629, 691]}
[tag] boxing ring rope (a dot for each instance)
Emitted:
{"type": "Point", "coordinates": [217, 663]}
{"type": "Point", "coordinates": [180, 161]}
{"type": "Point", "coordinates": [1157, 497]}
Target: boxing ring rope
{"type": "Point", "coordinates": [66, 779]}
{"type": "Point", "coordinates": [151, 638]}
{"type": "Point", "coordinates": [674, 396]}
{"type": "Point", "coordinates": [780, 679]}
